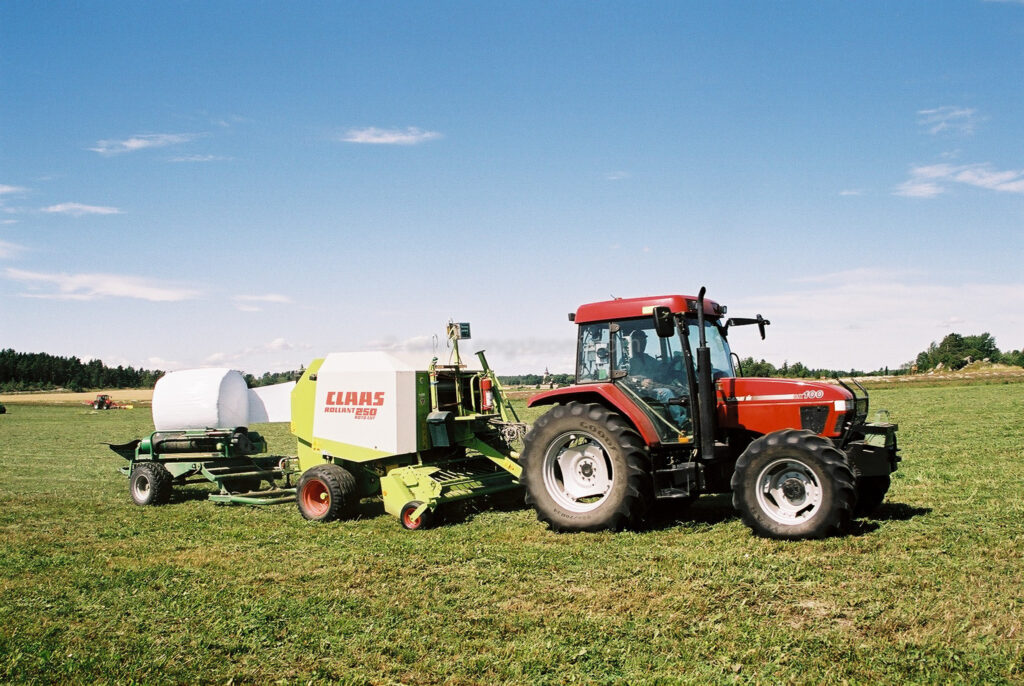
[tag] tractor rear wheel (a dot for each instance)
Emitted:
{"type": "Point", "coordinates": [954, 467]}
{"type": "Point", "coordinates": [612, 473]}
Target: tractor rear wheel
{"type": "Point", "coordinates": [586, 469]}
{"type": "Point", "coordinates": [150, 484]}
{"type": "Point", "coordinates": [793, 484]}
{"type": "Point", "coordinates": [327, 492]}
{"type": "Point", "coordinates": [871, 492]}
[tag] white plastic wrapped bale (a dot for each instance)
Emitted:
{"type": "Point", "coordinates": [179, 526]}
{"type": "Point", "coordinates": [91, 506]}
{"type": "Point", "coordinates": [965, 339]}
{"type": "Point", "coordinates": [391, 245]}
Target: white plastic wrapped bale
{"type": "Point", "coordinates": [271, 403]}
{"type": "Point", "coordinates": [215, 398]}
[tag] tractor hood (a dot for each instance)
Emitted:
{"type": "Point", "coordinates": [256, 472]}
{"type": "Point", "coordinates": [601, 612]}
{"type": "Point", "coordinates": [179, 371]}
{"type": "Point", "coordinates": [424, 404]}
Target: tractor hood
{"type": "Point", "coordinates": [766, 405]}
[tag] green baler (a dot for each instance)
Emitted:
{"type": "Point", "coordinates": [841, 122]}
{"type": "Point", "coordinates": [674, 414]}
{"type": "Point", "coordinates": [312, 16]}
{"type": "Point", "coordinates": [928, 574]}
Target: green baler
{"type": "Point", "coordinates": [368, 424]}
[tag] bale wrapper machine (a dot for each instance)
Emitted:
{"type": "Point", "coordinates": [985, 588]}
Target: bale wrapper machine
{"type": "Point", "coordinates": [368, 424]}
{"type": "Point", "coordinates": [229, 458]}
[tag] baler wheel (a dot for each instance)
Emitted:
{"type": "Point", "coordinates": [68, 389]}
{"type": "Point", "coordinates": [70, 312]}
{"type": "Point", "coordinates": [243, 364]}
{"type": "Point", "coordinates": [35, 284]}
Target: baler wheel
{"type": "Point", "coordinates": [327, 492]}
{"type": "Point", "coordinates": [422, 522]}
{"type": "Point", "coordinates": [586, 469]}
{"type": "Point", "coordinates": [150, 484]}
{"type": "Point", "coordinates": [794, 484]}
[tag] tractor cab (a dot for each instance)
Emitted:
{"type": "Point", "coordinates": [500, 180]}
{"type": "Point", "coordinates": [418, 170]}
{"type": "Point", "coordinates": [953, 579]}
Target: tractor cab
{"type": "Point", "coordinates": [619, 343]}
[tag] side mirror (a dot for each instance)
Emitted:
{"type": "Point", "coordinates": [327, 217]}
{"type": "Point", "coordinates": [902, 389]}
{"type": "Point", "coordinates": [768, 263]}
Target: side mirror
{"type": "Point", "coordinates": [664, 322]}
{"type": "Point", "coordinates": [760, 321]}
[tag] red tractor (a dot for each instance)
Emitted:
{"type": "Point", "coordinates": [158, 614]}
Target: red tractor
{"type": "Point", "coordinates": [661, 412]}
{"type": "Point", "coordinates": [103, 402]}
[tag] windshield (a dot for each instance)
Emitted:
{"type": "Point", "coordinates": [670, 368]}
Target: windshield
{"type": "Point", "coordinates": [721, 355]}
{"type": "Point", "coordinates": [653, 369]}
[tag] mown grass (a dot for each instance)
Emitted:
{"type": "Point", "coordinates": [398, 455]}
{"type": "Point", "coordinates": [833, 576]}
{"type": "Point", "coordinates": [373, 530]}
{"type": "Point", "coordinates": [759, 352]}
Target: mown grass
{"type": "Point", "coordinates": [95, 589]}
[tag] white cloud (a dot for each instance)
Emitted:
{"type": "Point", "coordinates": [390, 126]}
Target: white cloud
{"type": "Point", "coordinates": [246, 303]}
{"type": "Point", "coordinates": [197, 158]}
{"type": "Point", "coordinates": [77, 209]}
{"type": "Point", "coordinates": [930, 180]}
{"type": "Point", "coordinates": [268, 298]}
{"type": "Point", "coordinates": [918, 189]}
{"type": "Point", "coordinates": [247, 356]}
{"type": "Point", "coordinates": [961, 120]}
{"type": "Point", "coordinates": [141, 142]}
{"type": "Point", "coordinates": [11, 190]}
{"type": "Point", "coordinates": [161, 363]}
{"type": "Point", "coordinates": [373, 135]}
{"type": "Point", "coordinates": [617, 175]}
{"type": "Point", "coordinates": [96, 286]}
{"type": "Point", "coordinates": [852, 191]}
{"type": "Point", "coordinates": [8, 250]}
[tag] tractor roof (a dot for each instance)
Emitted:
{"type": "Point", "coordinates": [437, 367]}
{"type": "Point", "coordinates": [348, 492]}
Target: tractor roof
{"type": "Point", "coordinates": [625, 308]}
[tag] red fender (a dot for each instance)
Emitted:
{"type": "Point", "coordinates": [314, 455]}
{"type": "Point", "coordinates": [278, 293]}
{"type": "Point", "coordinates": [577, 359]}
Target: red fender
{"type": "Point", "coordinates": [611, 396]}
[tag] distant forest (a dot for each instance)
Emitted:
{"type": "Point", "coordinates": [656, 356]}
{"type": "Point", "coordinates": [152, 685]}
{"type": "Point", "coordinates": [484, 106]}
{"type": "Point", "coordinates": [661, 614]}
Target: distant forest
{"type": "Point", "coordinates": [41, 371]}
{"type": "Point", "coordinates": [44, 372]}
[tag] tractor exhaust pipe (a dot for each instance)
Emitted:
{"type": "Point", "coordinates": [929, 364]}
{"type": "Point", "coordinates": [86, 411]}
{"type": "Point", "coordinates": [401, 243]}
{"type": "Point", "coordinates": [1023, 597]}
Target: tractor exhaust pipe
{"type": "Point", "coordinates": [705, 386]}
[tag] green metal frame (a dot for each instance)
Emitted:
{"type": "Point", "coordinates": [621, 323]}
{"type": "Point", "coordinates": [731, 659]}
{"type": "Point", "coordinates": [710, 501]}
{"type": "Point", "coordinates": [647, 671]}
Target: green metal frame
{"type": "Point", "coordinates": [221, 464]}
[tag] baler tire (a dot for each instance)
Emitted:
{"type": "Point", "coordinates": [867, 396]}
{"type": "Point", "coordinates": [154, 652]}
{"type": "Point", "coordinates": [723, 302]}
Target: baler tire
{"type": "Point", "coordinates": [794, 484]}
{"type": "Point", "coordinates": [871, 492]}
{"type": "Point", "coordinates": [150, 484]}
{"type": "Point", "coordinates": [622, 460]}
{"type": "Point", "coordinates": [327, 492]}
{"type": "Point", "coordinates": [424, 521]}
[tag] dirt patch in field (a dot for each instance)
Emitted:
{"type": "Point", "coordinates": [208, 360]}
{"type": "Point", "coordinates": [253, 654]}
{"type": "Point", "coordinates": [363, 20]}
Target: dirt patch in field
{"type": "Point", "coordinates": [134, 396]}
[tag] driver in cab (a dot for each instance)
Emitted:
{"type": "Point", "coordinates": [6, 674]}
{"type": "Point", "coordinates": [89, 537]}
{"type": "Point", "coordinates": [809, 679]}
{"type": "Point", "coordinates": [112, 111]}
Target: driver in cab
{"type": "Point", "coordinates": [652, 375]}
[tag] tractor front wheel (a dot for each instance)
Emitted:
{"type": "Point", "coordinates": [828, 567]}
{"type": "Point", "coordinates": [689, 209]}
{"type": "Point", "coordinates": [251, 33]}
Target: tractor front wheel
{"type": "Point", "coordinates": [327, 492]}
{"type": "Point", "coordinates": [150, 484]}
{"type": "Point", "coordinates": [586, 469]}
{"type": "Point", "coordinates": [793, 484]}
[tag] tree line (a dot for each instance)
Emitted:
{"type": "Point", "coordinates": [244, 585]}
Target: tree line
{"type": "Point", "coordinates": [41, 371]}
{"type": "Point", "coordinates": [45, 372]}
{"type": "Point", "coordinates": [956, 351]}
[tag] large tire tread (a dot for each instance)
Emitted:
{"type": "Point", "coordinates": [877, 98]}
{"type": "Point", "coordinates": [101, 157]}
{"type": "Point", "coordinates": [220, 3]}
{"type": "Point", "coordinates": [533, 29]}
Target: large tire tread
{"type": "Point", "coordinates": [158, 480]}
{"type": "Point", "coordinates": [840, 495]}
{"type": "Point", "coordinates": [340, 485]}
{"type": "Point", "coordinates": [637, 498]}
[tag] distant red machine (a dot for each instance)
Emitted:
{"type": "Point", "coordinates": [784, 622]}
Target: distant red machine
{"type": "Point", "coordinates": [105, 402]}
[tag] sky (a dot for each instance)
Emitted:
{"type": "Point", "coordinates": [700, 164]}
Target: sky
{"type": "Point", "coordinates": [257, 184]}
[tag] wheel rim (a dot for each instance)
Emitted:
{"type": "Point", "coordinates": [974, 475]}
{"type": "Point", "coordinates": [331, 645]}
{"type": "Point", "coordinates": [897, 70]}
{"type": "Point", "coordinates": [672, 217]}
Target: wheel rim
{"type": "Point", "coordinates": [788, 491]}
{"type": "Point", "coordinates": [142, 487]}
{"type": "Point", "coordinates": [577, 472]}
{"type": "Point", "coordinates": [407, 519]}
{"type": "Point", "coordinates": [316, 498]}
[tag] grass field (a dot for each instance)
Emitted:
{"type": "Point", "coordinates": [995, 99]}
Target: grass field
{"type": "Point", "coordinates": [95, 589]}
